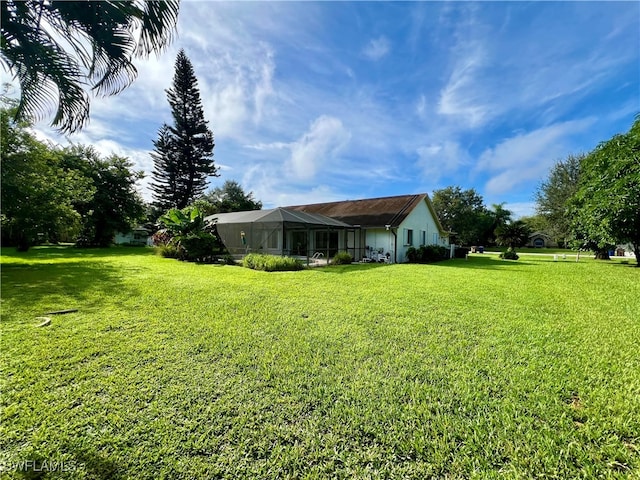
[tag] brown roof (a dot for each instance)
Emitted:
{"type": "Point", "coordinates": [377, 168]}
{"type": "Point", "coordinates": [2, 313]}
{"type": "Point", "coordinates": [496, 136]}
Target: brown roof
{"type": "Point", "coordinates": [372, 212]}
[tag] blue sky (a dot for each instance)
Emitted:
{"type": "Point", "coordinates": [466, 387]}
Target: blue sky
{"type": "Point", "coordinates": [313, 102]}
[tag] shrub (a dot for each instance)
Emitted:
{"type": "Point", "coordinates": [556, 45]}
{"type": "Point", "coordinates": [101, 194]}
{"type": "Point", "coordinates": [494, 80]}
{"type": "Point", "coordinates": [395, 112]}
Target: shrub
{"type": "Point", "coordinates": [461, 252]}
{"type": "Point", "coordinates": [510, 254]}
{"type": "Point", "coordinates": [427, 254]}
{"type": "Point", "coordinates": [271, 263]}
{"type": "Point", "coordinates": [198, 246]}
{"type": "Point", "coordinates": [342, 258]}
{"type": "Point", "coordinates": [169, 251]}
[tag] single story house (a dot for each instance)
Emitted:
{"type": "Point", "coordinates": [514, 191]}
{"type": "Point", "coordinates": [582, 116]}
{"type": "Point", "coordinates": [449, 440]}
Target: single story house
{"type": "Point", "coordinates": [540, 240]}
{"type": "Point", "coordinates": [137, 236]}
{"type": "Point", "coordinates": [376, 229]}
{"type": "Point", "coordinates": [384, 228]}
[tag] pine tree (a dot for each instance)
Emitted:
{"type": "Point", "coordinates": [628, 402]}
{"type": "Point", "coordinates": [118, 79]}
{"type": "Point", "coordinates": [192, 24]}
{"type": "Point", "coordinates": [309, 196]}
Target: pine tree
{"type": "Point", "coordinates": [164, 170]}
{"type": "Point", "coordinates": [183, 157]}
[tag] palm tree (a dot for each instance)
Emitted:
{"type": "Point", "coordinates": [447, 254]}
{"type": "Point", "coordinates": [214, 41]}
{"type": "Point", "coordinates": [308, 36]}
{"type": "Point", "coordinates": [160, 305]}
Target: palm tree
{"type": "Point", "coordinates": [56, 48]}
{"type": "Point", "coordinates": [513, 234]}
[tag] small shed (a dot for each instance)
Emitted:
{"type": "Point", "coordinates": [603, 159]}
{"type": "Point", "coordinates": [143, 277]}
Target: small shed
{"type": "Point", "coordinates": [280, 231]}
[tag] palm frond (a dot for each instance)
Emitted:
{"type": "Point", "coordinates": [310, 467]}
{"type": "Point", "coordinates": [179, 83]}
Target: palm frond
{"type": "Point", "coordinates": [58, 49]}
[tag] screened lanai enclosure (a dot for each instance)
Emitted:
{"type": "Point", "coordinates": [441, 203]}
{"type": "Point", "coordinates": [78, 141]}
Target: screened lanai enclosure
{"type": "Point", "coordinates": [284, 232]}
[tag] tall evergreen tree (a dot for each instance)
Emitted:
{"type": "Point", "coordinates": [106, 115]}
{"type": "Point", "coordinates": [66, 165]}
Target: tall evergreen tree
{"type": "Point", "coordinates": [183, 157]}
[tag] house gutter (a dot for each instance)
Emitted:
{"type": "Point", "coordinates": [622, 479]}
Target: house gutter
{"type": "Point", "coordinates": [394, 231]}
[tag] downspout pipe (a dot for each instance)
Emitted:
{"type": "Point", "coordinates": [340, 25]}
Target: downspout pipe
{"type": "Point", "coordinates": [395, 244]}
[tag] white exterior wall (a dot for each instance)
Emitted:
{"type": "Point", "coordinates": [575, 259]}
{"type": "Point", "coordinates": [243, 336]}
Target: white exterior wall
{"type": "Point", "coordinates": [419, 220]}
{"type": "Point", "coordinates": [377, 239]}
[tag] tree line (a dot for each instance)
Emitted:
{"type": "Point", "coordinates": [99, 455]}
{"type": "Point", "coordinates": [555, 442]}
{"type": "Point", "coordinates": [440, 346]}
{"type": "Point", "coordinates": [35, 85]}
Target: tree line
{"type": "Point", "coordinates": [73, 194]}
{"type": "Point", "coordinates": [588, 201]}
{"type": "Point", "coordinates": [592, 200]}
{"type": "Point", "coordinates": [464, 214]}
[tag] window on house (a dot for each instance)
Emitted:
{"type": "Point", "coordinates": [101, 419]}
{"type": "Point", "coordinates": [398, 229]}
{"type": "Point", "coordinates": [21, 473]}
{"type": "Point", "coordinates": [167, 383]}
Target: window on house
{"type": "Point", "coordinates": [435, 239]}
{"type": "Point", "coordinates": [423, 237]}
{"type": "Point", "coordinates": [408, 236]}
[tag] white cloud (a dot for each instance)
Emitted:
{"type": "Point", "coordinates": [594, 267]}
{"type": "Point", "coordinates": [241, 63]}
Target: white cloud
{"type": "Point", "coordinates": [439, 159]}
{"type": "Point", "coordinates": [325, 138]}
{"type": "Point", "coordinates": [377, 48]}
{"type": "Point", "coordinates": [521, 209]}
{"type": "Point", "coordinates": [527, 156]}
{"type": "Point", "coordinates": [463, 96]}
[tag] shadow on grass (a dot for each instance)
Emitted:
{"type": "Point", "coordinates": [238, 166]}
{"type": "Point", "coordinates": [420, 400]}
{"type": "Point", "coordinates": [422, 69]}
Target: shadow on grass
{"type": "Point", "coordinates": [353, 267]}
{"type": "Point", "coordinates": [488, 262]}
{"type": "Point", "coordinates": [79, 282]}
{"type": "Point", "coordinates": [69, 251]}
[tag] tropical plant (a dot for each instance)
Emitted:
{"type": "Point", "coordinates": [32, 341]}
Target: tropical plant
{"type": "Point", "coordinates": [186, 236]}
{"type": "Point", "coordinates": [183, 156]}
{"type": "Point", "coordinates": [56, 48]}
{"type": "Point", "coordinates": [513, 234]}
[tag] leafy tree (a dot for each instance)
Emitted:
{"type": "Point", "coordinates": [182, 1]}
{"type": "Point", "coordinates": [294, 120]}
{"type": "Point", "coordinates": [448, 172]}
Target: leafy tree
{"type": "Point", "coordinates": [552, 197]}
{"type": "Point", "coordinates": [183, 157]}
{"type": "Point", "coordinates": [116, 205]}
{"type": "Point", "coordinates": [37, 192]}
{"type": "Point", "coordinates": [463, 213]}
{"type": "Point", "coordinates": [606, 205]}
{"type": "Point", "coordinates": [536, 223]}
{"type": "Point", "coordinates": [231, 198]}
{"type": "Point", "coordinates": [56, 48]}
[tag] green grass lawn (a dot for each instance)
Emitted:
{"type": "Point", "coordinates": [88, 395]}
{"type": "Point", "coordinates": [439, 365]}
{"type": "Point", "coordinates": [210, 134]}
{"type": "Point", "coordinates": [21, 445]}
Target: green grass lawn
{"type": "Point", "coordinates": [463, 369]}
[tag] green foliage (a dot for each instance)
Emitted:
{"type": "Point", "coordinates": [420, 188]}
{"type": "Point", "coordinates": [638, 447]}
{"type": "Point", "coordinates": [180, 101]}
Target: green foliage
{"type": "Point", "coordinates": [553, 195]}
{"type": "Point", "coordinates": [605, 206]}
{"type": "Point", "coordinates": [183, 156]}
{"type": "Point", "coordinates": [271, 263]}
{"type": "Point", "coordinates": [116, 205]}
{"type": "Point", "coordinates": [170, 251]}
{"type": "Point", "coordinates": [38, 193]}
{"type": "Point", "coordinates": [513, 234]}
{"type": "Point", "coordinates": [186, 231]}
{"type": "Point", "coordinates": [63, 194]}
{"type": "Point", "coordinates": [199, 246]}
{"type": "Point", "coordinates": [464, 214]}
{"type": "Point", "coordinates": [461, 252]}
{"type": "Point", "coordinates": [57, 49]}
{"type": "Point", "coordinates": [183, 222]}
{"type": "Point", "coordinates": [427, 254]}
{"type": "Point", "coordinates": [510, 254]}
{"type": "Point", "coordinates": [342, 258]}
{"type": "Point", "coordinates": [230, 198]}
